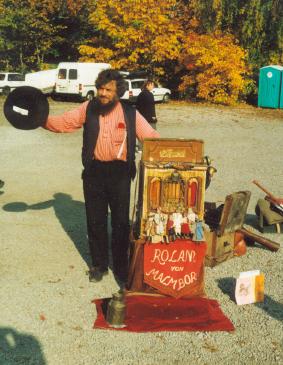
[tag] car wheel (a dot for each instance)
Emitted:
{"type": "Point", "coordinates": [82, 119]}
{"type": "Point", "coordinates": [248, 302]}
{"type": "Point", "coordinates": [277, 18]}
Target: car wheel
{"type": "Point", "coordinates": [166, 98]}
{"type": "Point", "coordinates": [6, 90]}
{"type": "Point", "coordinates": [90, 95]}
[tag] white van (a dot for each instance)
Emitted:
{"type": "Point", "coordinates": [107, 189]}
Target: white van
{"type": "Point", "coordinates": [43, 80]}
{"type": "Point", "coordinates": [78, 78]}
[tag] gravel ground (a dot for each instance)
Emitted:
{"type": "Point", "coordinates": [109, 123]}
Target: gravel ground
{"type": "Point", "coordinates": [46, 315]}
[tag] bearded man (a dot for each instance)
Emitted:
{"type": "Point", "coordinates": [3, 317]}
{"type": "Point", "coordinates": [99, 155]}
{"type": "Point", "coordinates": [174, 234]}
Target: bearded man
{"type": "Point", "coordinates": [108, 156]}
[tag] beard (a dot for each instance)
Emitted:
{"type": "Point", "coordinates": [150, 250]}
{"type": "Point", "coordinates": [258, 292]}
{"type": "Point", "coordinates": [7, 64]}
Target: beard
{"type": "Point", "coordinates": [104, 109]}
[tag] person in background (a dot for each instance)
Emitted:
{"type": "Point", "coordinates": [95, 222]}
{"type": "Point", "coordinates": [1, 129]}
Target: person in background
{"type": "Point", "coordinates": [145, 103]}
{"type": "Point", "coordinates": [146, 106]}
{"type": "Point", "coordinates": [108, 156]}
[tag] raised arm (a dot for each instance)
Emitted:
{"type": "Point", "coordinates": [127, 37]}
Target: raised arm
{"type": "Point", "coordinates": [67, 122]}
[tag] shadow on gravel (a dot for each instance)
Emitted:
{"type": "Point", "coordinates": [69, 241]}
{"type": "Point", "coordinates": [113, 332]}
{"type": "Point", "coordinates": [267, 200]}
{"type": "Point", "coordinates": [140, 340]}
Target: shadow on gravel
{"type": "Point", "coordinates": [19, 348]}
{"type": "Point", "coordinates": [227, 286]}
{"type": "Point", "coordinates": [272, 308]}
{"type": "Point", "coordinates": [70, 213]}
{"type": "Point", "coordinates": [251, 220]}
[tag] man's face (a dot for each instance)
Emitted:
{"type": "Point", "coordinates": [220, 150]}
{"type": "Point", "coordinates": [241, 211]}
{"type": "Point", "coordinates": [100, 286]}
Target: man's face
{"type": "Point", "coordinates": [150, 86]}
{"type": "Point", "coordinates": [107, 93]}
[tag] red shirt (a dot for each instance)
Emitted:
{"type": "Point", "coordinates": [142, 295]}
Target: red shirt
{"type": "Point", "coordinates": [111, 143]}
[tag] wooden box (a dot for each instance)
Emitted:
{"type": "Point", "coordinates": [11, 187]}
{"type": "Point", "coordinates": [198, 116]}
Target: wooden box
{"type": "Point", "coordinates": [224, 222]}
{"type": "Point", "coordinates": [172, 177]}
{"type": "Point", "coordinates": [220, 249]}
{"type": "Point", "coordinates": [173, 150]}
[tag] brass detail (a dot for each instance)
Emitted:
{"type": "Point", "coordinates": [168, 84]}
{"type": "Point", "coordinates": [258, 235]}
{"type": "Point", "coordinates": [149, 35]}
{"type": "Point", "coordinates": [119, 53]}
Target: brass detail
{"type": "Point", "coordinates": [116, 311]}
{"type": "Point", "coordinates": [173, 193]}
{"type": "Point", "coordinates": [211, 171]}
{"type": "Point", "coordinates": [172, 153]}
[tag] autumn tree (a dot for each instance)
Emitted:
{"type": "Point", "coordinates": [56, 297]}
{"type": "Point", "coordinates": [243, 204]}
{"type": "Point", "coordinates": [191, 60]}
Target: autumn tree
{"type": "Point", "coordinates": [134, 34]}
{"type": "Point", "coordinates": [256, 24]}
{"type": "Point", "coordinates": [215, 67]}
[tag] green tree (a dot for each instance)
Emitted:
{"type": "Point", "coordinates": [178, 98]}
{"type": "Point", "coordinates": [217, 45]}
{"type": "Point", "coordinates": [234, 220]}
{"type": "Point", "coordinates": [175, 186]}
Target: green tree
{"type": "Point", "coordinates": [73, 17]}
{"type": "Point", "coordinates": [33, 32]}
{"type": "Point", "coordinates": [27, 33]}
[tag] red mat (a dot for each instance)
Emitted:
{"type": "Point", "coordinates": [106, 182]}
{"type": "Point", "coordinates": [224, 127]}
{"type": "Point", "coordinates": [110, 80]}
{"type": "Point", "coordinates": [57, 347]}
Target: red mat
{"type": "Point", "coordinates": [152, 314]}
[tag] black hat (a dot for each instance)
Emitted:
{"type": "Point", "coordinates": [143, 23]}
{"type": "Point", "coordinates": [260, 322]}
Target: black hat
{"type": "Point", "coordinates": [26, 107]}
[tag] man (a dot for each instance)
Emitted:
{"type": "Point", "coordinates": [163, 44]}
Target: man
{"type": "Point", "coordinates": [145, 103]}
{"type": "Point", "coordinates": [108, 156]}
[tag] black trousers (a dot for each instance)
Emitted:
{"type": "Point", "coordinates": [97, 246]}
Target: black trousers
{"type": "Point", "coordinates": [107, 184]}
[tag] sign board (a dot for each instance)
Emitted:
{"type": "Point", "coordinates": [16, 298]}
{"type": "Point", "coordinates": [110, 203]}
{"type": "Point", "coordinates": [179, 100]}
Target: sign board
{"type": "Point", "coordinates": [175, 269]}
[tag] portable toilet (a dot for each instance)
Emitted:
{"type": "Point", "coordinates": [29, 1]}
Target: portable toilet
{"type": "Point", "coordinates": [281, 93]}
{"type": "Point", "coordinates": [270, 86]}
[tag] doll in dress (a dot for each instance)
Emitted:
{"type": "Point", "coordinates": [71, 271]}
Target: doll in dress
{"type": "Point", "coordinates": [150, 227]}
{"type": "Point", "coordinates": [185, 227]}
{"type": "Point", "coordinates": [170, 229]}
{"type": "Point", "coordinates": [177, 219]}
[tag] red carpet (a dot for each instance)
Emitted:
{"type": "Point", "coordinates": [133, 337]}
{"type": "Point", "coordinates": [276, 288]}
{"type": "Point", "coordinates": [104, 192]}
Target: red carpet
{"type": "Point", "coordinates": [152, 314]}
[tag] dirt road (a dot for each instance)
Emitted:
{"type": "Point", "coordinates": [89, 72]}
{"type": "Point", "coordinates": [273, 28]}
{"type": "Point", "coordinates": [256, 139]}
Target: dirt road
{"type": "Point", "coordinates": [46, 314]}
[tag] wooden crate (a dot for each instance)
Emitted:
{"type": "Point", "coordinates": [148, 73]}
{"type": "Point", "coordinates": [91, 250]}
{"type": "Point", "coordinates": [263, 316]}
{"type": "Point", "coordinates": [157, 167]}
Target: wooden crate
{"type": "Point", "coordinates": [224, 222]}
{"type": "Point", "coordinates": [220, 248]}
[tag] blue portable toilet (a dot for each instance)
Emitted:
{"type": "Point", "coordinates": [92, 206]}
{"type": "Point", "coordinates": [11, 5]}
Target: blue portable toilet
{"type": "Point", "coordinates": [270, 87]}
{"type": "Point", "coordinates": [281, 93]}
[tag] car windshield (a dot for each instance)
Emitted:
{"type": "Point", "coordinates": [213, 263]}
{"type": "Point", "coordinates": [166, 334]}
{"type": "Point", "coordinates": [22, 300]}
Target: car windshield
{"type": "Point", "coordinates": [16, 77]}
{"type": "Point", "coordinates": [137, 84]}
{"type": "Point", "coordinates": [2, 77]}
{"type": "Point", "coordinates": [157, 84]}
{"type": "Point", "coordinates": [62, 74]}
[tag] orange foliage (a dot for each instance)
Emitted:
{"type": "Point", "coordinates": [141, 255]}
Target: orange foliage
{"type": "Point", "coordinates": [133, 35]}
{"type": "Point", "coordinates": [216, 67]}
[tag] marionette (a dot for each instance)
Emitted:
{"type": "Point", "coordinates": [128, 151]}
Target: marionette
{"type": "Point", "coordinates": [199, 235]}
{"type": "Point", "coordinates": [170, 229]}
{"type": "Point", "coordinates": [177, 219]}
{"type": "Point", "coordinates": [150, 228]}
{"type": "Point", "coordinates": [185, 227]}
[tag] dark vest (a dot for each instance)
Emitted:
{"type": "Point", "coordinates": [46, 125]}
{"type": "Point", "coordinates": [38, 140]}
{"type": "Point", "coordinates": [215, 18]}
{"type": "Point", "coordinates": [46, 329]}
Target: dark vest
{"type": "Point", "coordinates": [91, 131]}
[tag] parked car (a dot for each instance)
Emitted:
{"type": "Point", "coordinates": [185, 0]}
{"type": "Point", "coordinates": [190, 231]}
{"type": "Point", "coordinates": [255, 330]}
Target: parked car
{"type": "Point", "coordinates": [134, 87]}
{"type": "Point", "coordinates": [9, 81]}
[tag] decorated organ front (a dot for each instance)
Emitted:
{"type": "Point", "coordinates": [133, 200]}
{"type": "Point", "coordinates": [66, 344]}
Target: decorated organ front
{"type": "Point", "coordinates": [173, 174]}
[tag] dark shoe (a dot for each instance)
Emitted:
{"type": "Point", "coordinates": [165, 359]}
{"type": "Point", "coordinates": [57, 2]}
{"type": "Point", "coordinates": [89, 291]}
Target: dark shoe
{"type": "Point", "coordinates": [122, 286]}
{"type": "Point", "coordinates": [121, 281]}
{"type": "Point", "coordinates": [1, 184]}
{"type": "Point", "coordinates": [95, 274]}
